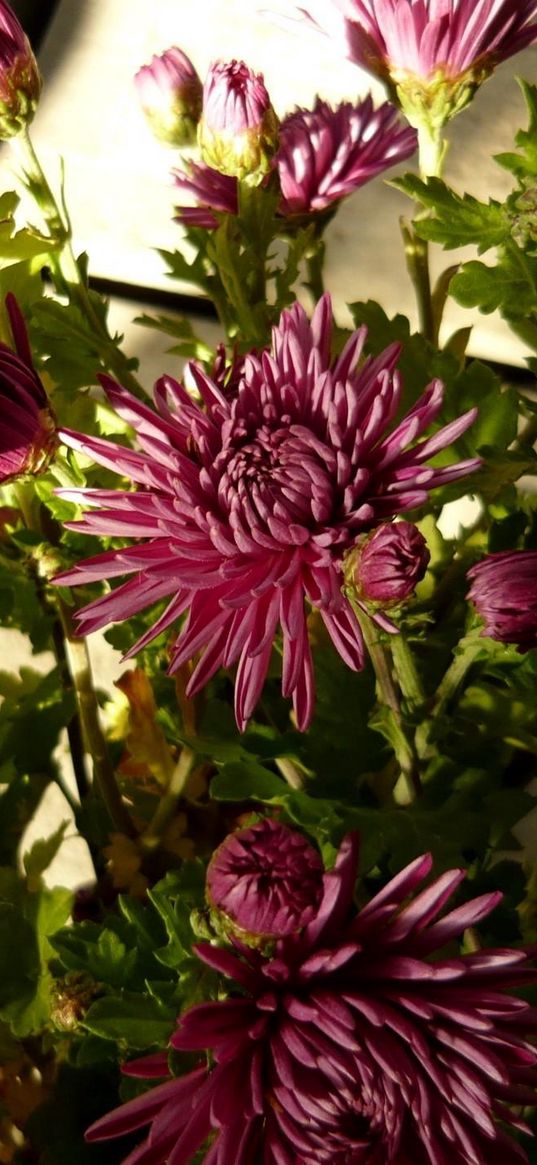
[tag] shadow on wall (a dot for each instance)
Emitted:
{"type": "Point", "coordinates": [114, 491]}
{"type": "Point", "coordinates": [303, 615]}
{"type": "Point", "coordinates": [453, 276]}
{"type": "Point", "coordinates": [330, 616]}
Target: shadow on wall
{"type": "Point", "coordinates": [34, 17]}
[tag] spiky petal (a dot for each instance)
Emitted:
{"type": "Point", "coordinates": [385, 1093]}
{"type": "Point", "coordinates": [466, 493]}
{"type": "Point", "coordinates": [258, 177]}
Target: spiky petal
{"type": "Point", "coordinates": [251, 501]}
{"type": "Point", "coordinates": [360, 1040]}
{"type": "Point", "coordinates": [504, 593]}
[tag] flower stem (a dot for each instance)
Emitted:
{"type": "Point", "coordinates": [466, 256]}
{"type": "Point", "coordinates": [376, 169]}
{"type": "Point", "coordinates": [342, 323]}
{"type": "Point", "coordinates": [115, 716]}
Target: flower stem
{"type": "Point", "coordinates": [65, 265]}
{"type": "Point", "coordinates": [168, 803]}
{"type": "Point", "coordinates": [315, 266]}
{"type": "Point", "coordinates": [468, 650]}
{"type": "Point", "coordinates": [432, 151]}
{"type": "Point", "coordinates": [290, 772]}
{"type": "Point", "coordinates": [79, 663]}
{"type": "Point", "coordinates": [406, 672]}
{"type": "Point", "coordinates": [409, 785]}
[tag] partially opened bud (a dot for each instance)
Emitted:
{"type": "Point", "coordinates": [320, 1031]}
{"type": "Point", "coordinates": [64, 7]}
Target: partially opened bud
{"type": "Point", "coordinates": [20, 80]}
{"type": "Point", "coordinates": [27, 425]}
{"type": "Point", "coordinates": [170, 93]}
{"type": "Point", "coordinates": [390, 563]}
{"type": "Point", "coordinates": [238, 131]}
{"type": "Point", "coordinates": [504, 594]}
{"type": "Point", "coordinates": [267, 880]}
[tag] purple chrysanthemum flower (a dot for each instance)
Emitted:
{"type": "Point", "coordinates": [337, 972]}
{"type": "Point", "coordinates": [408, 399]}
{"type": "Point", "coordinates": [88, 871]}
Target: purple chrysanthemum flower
{"type": "Point", "coordinates": [432, 54]}
{"type": "Point", "coordinates": [170, 94]}
{"type": "Point", "coordinates": [266, 879]}
{"type": "Point", "coordinates": [327, 153]}
{"type": "Point", "coordinates": [324, 155]}
{"type": "Point", "coordinates": [250, 503]}
{"type": "Point", "coordinates": [20, 80]}
{"type": "Point", "coordinates": [422, 37]}
{"type": "Point", "coordinates": [368, 1039]}
{"type": "Point", "coordinates": [238, 131]}
{"type": "Point", "coordinates": [27, 426]}
{"type": "Point", "coordinates": [389, 564]}
{"type": "Point", "coordinates": [504, 593]}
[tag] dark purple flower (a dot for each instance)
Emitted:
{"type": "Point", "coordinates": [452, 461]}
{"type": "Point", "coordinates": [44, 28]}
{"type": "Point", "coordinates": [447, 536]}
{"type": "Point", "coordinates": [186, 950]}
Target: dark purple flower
{"type": "Point", "coordinates": [27, 426]}
{"type": "Point", "coordinates": [20, 80]}
{"type": "Point", "coordinates": [327, 153]}
{"type": "Point", "coordinates": [267, 879]}
{"type": "Point", "coordinates": [433, 54]}
{"type": "Point", "coordinates": [249, 504]}
{"type": "Point", "coordinates": [504, 593]}
{"type": "Point", "coordinates": [368, 1039]}
{"type": "Point", "coordinates": [238, 131]}
{"type": "Point", "coordinates": [389, 564]}
{"type": "Point", "coordinates": [170, 93]}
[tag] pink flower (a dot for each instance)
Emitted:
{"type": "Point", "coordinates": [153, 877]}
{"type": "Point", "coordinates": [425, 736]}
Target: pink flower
{"type": "Point", "coordinates": [327, 153]}
{"type": "Point", "coordinates": [238, 130]}
{"type": "Point", "coordinates": [267, 879]}
{"type": "Point", "coordinates": [250, 503]}
{"type": "Point", "coordinates": [211, 192]}
{"type": "Point", "coordinates": [433, 54]}
{"type": "Point", "coordinates": [170, 93]}
{"type": "Point", "coordinates": [504, 593]}
{"type": "Point", "coordinates": [423, 37]}
{"type": "Point", "coordinates": [390, 563]}
{"type": "Point", "coordinates": [366, 1039]}
{"type": "Point", "coordinates": [27, 428]}
{"type": "Point", "coordinates": [20, 80]}
{"type": "Point", "coordinates": [324, 155]}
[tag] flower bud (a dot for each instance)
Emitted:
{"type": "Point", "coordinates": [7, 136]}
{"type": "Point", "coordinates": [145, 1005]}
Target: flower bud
{"type": "Point", "coordinates": [238, 131]}
{"type": "Point", "coordinates": [170, 94]}
{"type": "Point", "coordinates": [504, 593]}
{"type": "Point", "coordinates": [20, 80]}
{"type": "Point", "coordinates": [28, 431]}
{"type": "Point", "coordinates": [390, 563]}
{"type": "Point", "coordinates": [267, 880]}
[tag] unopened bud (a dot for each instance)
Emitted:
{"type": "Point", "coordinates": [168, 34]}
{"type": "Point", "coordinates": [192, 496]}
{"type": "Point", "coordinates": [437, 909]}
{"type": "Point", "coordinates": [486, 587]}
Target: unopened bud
{"type": "Point", "coordinates": [238, 131]}
{"type": "Point", "coordinates": [170, 93]}
{"type": "Point", "coordinates": [387, 565]}
{"type": "Point", "coordinates": [28, 437]}
{"type": "Point", "coordinates": [20, 80]}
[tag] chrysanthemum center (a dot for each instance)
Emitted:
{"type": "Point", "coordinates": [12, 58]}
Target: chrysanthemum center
{"type": "Point", "coordinates": [280, 472]}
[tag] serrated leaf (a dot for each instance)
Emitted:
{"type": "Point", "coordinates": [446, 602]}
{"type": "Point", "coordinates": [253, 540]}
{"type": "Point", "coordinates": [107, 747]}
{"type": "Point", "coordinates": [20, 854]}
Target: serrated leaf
{"type": "Point", "coordinates": [511, 285]}
{"type": "Point", "coordinates": [458, 219]}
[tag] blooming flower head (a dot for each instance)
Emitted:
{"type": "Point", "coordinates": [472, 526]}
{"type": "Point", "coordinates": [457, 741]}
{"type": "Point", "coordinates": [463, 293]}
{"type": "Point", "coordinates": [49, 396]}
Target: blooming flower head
{"type": "Point", "coordinates": [20, 80]}
{"type": "Point", "coordinates": [250, 502]}
{"type": "Point", "coordinates": [238, 131]}
{"type": "Point", "coordinates": [170, 93]}
{"type": "Point", "coordinates": [387, 566]}
{"type": "Point", "coordinates": [504, 593]}
{"type": "Point", "coordinates": [367, 1039]}
{"type": "Point", "coordinates": [433, 54]}
{"type": "Point", "coordinates": [327, 153]}
{"type": "Point", "coordinates": [324, 155]}
{"type": "Point", "coordinates": [27, 428]}
{"type": "Point", "coordinates": [266, 879]}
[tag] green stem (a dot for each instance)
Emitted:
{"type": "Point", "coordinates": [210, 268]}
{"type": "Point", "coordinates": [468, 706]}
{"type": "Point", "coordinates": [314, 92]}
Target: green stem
{"type": "Point", "coordinates": [432, 149]}
{"type": "Point", "coordinates": [448, 689]}
{"type": "Point", "coordinates": [168, 803]}
{"type": "Point", "coordinates": [65, 265]}
{"type": "Point", "coordinates": [409, 786]}
{"type": "Point", "coordinates": [407, 673]}
{"type": "Point", "coordinates": [80, 670]}
{"type": "Point", "coordinates": [417, 261]}
{"type": "Point", "coordinates": [290, 772]}
{"type": "Point", "coordinates": [315, 266]}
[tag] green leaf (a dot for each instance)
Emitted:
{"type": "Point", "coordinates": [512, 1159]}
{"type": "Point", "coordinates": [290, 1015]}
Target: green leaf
{"type": "Point", "coordinates": [524, 163]}
{"type": "Point", "coordinates": [131, 1020]}
{"type": "Point", "coordinates": [43, 851]}
{"type": "Point", "coordinates": [511, 285]}
{"type": "Point", "coordinates": [457, 220]}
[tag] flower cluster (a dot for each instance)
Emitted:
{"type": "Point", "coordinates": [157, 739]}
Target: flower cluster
{"type": "Point", "coordinates": [324, 155]}
{"type": "Point", "coordinates": [365, 1038]}
{"type": "Point", "coordinates": [250, 502]}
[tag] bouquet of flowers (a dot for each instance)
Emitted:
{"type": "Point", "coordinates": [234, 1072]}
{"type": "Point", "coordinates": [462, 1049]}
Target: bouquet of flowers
{"type": "Point", "coordinates": [310, 937]}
